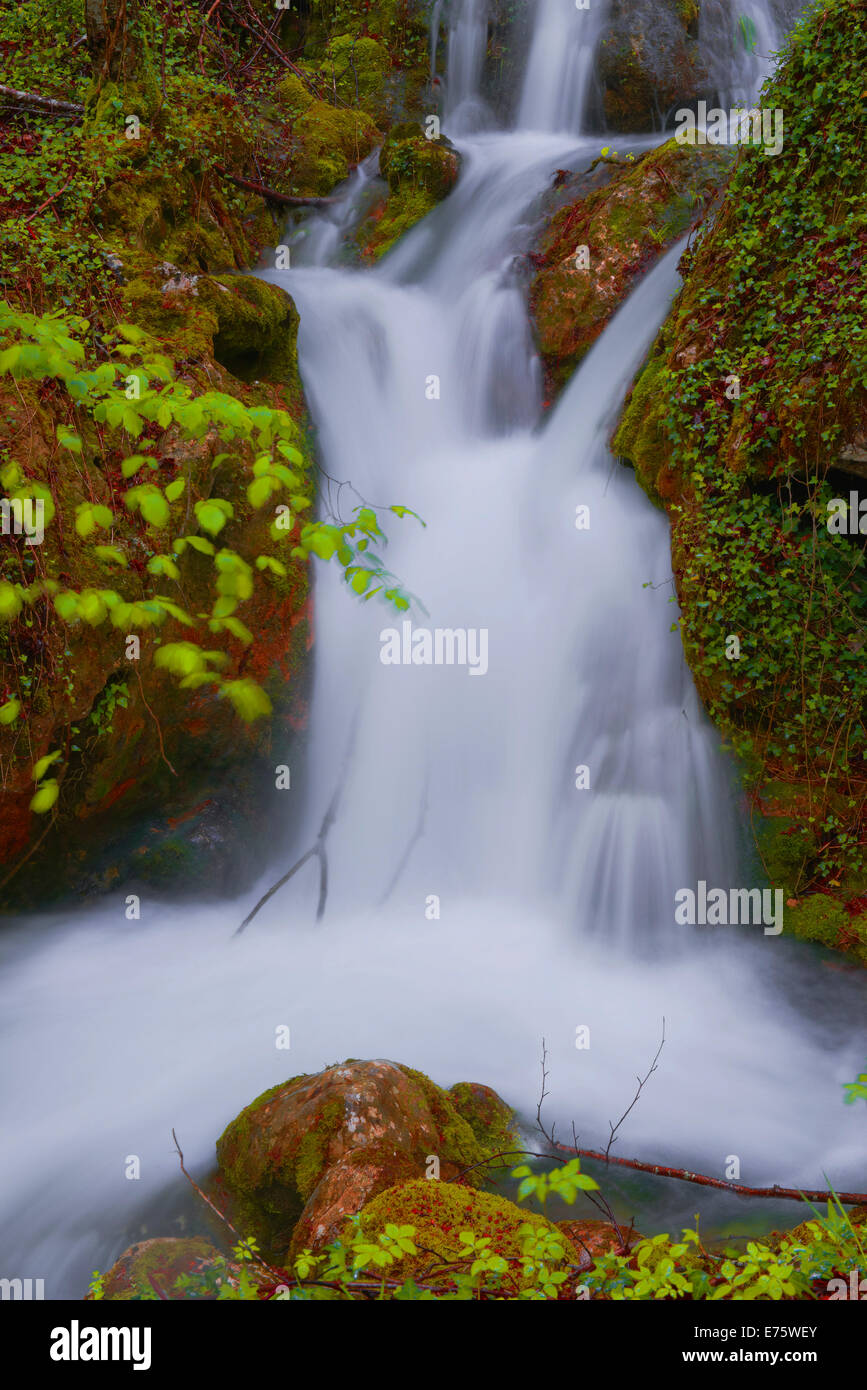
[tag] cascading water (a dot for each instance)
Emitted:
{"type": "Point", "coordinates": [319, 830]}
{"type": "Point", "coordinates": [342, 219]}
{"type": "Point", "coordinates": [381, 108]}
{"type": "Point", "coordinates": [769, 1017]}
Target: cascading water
{"type": "Point", "coordinates": [556, 903]}
{"type": "Point", "coordinates": [560, 66]}
{"type": "Point", "coordinates": [468, 37]}
{"type": "Point", "coordinates": [739, 43]}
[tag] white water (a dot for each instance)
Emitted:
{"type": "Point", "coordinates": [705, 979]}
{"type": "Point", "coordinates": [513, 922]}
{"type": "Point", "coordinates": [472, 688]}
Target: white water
{"type": "Point", "coordinates": [739, 43]}
{"type": "Point", "coordinates": [560, 67]}
{"type": "Point", "coordinates": [556, 904]}
{"type": "Point", "coordinates": [468, 37]}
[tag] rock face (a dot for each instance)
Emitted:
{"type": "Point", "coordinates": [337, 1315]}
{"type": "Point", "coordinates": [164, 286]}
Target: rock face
{"type": "Point", "coordinates": [650, 62]}
{"type": "Point", "coordinates": [308, 1153]}
{"type": "Point", "coordinates": [644, 207]}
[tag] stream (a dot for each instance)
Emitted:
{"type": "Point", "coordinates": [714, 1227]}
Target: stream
{"type": "Point", "coordinates": [478, 900]}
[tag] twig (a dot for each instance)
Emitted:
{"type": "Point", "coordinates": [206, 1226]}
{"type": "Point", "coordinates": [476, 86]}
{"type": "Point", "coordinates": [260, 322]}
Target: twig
{"type": "Point", "coordinates": [49, 201]}
{"type": "Point", "coordinates": [317, 849]}
{"type": "Point", "coordinates": [641, 1085]}
{"type": "Point", "coordinates": [157, 722]}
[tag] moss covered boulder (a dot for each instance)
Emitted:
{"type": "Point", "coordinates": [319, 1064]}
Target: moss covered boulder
{"type": "Point", "coordinates": [644, 207]}
{"type": "Point", "coordinates": [419, 173]}
{"type": "Point", "coordinates": [744, 424]}
{"type": "Point", "coordinates": [150, 1268]}
{"type": "Point", "coordinates": [440, 1211]}
{"type": "Point", "coordinates": [314, 1150]}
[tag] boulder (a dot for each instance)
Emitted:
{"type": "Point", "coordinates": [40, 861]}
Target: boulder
{"type": "Point", "coordinates": [440, 1211]}
{"type": "Point", "coordinates": [315, 1149]}
{"type": "Point", "coordinates": [149, 1268]}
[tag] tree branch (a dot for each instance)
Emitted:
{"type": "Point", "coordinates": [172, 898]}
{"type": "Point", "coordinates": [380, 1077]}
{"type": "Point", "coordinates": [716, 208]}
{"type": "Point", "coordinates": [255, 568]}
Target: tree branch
{"type": "Point", "coordinates": [40, 103]}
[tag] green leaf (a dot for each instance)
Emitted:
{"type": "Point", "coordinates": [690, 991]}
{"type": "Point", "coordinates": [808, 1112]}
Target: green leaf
{"type": "Point", "coordinates": [10, 601]}
{"type": "Point", "coordinates": [175, 489]}
{"type": "Point", "coordinates": [248, 698]}
{"type": "Point", "coordinates": [212, 514]}
{"type": "Point", "coordinates": [10, 711]}
{"type": "Point", "coordinates": [161, 564]}
{"type": "Point", "coordinates": [45, 797]}
{"type": "Point", "coordinates": [110, 555]}
{"type": "Point", "coordinates": [42, 766]}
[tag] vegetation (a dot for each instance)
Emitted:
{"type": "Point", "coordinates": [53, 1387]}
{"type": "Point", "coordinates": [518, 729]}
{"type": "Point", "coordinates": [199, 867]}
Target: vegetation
{"type": "Point", "coordinates": [745, 423]}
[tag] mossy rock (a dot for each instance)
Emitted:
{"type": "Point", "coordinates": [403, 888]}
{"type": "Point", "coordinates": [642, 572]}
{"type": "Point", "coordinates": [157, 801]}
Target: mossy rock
{"type": "Point", "coordinates": [328, 141]}
{"type": "Point", "coordinates": [646, 205]}
{"type": "Point", "coordinates": [439, 1211]}
{"type": "Point", "coordinates": [150, 1268]}
{"type": "Point", "coordinates": [419, 173]}
{"type": "Point", "coordinates": [489, 1117]}
{"type": "Point", "coordinates": [361, 67]}
{"type": "Point", "coordinates": [275, 1155]}
{"type": "Point", "coordinates": [257, 329]}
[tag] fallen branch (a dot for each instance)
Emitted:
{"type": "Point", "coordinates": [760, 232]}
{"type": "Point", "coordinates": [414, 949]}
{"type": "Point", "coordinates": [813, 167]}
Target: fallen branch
{"type": "Point", "coordinates": [789, 1194]}
{"type": "Point", "coordinates": [39, 103]}
{"type": "Point", "coordinates": [286, 199]}
{"type": "Point", "coordinates": [49, 201]}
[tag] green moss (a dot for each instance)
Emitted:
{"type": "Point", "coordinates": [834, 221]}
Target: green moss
{"type": "Point", "coordinates": [328, 140]}
{"type": "Point", "coordinates": [459, 1143]}
{"type": "Point", "coordinates": [787, 848]}
{"type": "Point", "coordinates": [817, 918]}
{"type": "Point", "coordinates": [361, 67]}
{"type": "Point", "coordinates": [489, 1117]}
{"type": "Point", "coordinates": [439, 1211]}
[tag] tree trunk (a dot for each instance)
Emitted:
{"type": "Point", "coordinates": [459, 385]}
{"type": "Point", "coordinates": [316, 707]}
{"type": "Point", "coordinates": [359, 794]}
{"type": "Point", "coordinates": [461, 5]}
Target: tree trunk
{"type": "Point", "coordinates": [113, 40]}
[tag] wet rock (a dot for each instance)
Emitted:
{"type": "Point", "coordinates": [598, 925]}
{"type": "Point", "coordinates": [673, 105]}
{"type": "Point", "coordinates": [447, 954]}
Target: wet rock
{"type": "Point", "coordinates": [650, 63]}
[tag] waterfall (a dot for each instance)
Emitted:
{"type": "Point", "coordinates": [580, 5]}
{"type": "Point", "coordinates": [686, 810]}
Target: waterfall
{"type": "Point", "coordinates": [560, 67]}
{"type": "Point", "coordinates": [467, 44]}
{"type": "Point", "coordinates": [482, 892]}
{"type": "Point", "coordinates": [738, 44]}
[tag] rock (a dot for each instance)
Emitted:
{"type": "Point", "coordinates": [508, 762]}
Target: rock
{"type": "Point", "coordinates": [314, 1150]}
{"type": "Point", "coordinates": [649, 62]}
{"type": "Point", "coordinates": [152, 1266]}
{"type": "Point", "coordinates": [644, 207]}
{"type": "Point", "coordinates": [439, 1211]}
{"type": "Point", "coordinates": [487, 1114]}
{"type": "Point", "coordinates": [594, 1238]}
{"type": "Point", "coordinates": [419, 173]}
